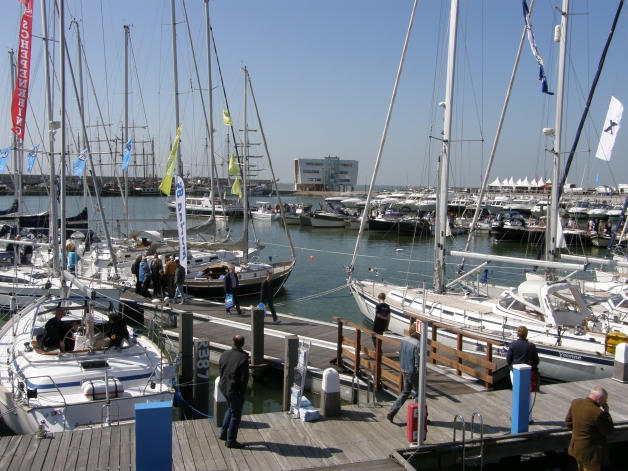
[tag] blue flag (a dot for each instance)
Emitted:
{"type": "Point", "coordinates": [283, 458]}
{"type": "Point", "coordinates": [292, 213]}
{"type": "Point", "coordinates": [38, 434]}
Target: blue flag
{"type": "Point", "coordinates": [127, 155]}
{"type": "Point", "coordinates": [79, 164]}
{"type": "Point", "coordinates": [4, 156]}
{"type": "Point", "coordinates": [32, 155]}
{"type": "Point", "coordinates": [535, 51]}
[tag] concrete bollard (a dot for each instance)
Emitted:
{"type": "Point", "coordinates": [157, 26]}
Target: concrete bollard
{"type": "Point", "coordinates": [520, 419]}
{"type": "Point", "coordinates": [330, 395]}
{"type": "Point", "coordinates": [620, 370]}
{"type": "Point", "coordinates": [220, 404]}
{"type": "Point", "coordinates": [153, 436]}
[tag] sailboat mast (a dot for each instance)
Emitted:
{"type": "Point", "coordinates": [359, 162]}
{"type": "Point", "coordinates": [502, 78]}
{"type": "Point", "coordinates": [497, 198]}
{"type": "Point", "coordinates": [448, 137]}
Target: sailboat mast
{"type": "Point", "coordinates": [245, 154]}
{"type": "Point", "coordinates": [443, 167]}
{"type": "Point", "coordinates": [17, 180]}
{"type": "Point", "coordinates": [212, 164]}
{"type": "Point", "coordinates": [51, 144]}
{"type": "Point", "coordinates": [179, 164]}
{"type": "Point", "coordinates": [560, 34]}
{"type": "Point", "coordinates": [125, 136]}
{"type": "Point", "coordinates": [81, 101]}
{"type": "Point", "coordinates": [63, 131]}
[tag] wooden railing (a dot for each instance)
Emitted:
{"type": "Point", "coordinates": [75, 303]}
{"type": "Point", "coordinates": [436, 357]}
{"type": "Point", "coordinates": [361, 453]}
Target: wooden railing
{"type": "Point", "coordinates": [385, 367]}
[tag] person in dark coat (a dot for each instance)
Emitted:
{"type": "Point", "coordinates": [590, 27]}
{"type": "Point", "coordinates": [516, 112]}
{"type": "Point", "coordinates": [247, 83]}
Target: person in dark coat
{"type": "Point", "coordinates": [135, 269]}
{"type": "Point", "coordinates": [117, 331]}
{"type": "Point", "coordinates": [54, 331]}
{"type": "Point", "coordinates": [146, 282]}
{"type": "Point", "coordinates": [231, 285]}
{"type": "Point", "coordinates": [523, 352]}
{"type": "Point", "coordinates": [590, 421]}
{"type": "Point", "coordinates": [155, 266]}
{"type": "Point", "coordinates": [382, 316]}
{"type": "Point", "coordinates": [234, 378]}
{"type": "Point", "coordinates": [163, 283]}
{"type": "Point", "coordinates": [266, 296]}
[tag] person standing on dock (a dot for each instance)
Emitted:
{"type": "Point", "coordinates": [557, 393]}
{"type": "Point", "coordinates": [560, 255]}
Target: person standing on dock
{"type": "Point", "coordinates": [155, 266]}
{"type": "Point", "coordinates": [231, 285]}
{"type": "Point", "coordinates": [266, 296]}
{"type": "Point", "coordinates": [522, 352]}
{"type": "Point", "coordinates": [135, 269]}
{"type": "Point", "coordinates": [590, 427]}
{"type": "Point", "coordinates": [234, 378]}
{"type": "Point", "coordinates": [179, 279]}
{"type": "Point", "coordinates": [171, 266]}
{"type": "Point", "coordinates": [409, 354]}
{"type": "Point", "coordinates": [382, 316]}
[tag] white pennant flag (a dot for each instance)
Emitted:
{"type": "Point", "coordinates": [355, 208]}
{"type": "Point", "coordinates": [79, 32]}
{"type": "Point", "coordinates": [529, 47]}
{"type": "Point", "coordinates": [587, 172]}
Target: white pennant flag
{"type": "Point", "coordinates": [609, 130]}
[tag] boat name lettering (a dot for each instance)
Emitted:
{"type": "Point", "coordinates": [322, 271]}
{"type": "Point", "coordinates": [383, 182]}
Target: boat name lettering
{"type": "Point", "coordinates": [569, 355]}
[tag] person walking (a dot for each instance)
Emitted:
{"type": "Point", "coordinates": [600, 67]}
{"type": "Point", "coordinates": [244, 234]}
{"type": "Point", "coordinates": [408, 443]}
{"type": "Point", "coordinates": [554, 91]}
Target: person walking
{"type": "Point", "coordinates": [266, 296]}
{"type": "Point", "coordinates": [179, 279]}
{"type": "Point", "coordinates": [231, 284]}
{"type": "Point", "coordinates": [382, 316]}
{"type": "Point", "coordinates": [590, 421]}
{"type": "Point", "coordinates": [409, 354]}
{"type": "Point", "coordinates": [155, 266]}
{"type": "Point", "coordinates": [234, 378]}
{"type": "Point", "coordinates": [169, 269]}
{"type": "Point", "coordinates": [523, 352]}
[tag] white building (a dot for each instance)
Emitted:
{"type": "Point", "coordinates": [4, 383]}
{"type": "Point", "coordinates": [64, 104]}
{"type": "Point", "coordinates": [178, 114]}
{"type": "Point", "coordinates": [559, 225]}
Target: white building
{"type": "Point", "coordinates": [328, 174]}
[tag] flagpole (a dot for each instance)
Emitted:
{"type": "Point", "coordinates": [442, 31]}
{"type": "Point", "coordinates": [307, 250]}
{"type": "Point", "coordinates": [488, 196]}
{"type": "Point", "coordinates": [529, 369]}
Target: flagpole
{"type": "Point", "coordinates": [178, 164]}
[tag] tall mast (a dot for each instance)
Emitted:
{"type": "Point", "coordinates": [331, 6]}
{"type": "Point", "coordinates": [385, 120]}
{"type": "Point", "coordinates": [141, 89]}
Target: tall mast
{"type": "Point", "coordinates": [211, 110]}
{"type": "Point", "coordinates": [17, 180]}
{"type": "Point", "coordinates": [125, 134]}
{"type": "Point", "coordinates": [443, 167]}
{"type": "Point", "coordinates": [560, 34]}
{"type": "Point", "coordinates": [63, 130]}
{"type": "Point", "coordinates": [51, 143]}
{"type": "Point", "coordinates": [245, 154]}
{"type": "Point", "coordinates": [179, 164]}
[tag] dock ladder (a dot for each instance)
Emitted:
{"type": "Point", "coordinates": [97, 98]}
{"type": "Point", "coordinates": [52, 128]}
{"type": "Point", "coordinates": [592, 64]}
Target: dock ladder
{"type": "Point", "coordinates": [480, 456]}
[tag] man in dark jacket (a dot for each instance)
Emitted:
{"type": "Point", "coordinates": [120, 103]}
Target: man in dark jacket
{"type": "Point", "coordinates": [135, 269]}
{"type": "Point", "coordinates": [54, 331]}
{"type": "Point", "coordinates": [590, 425]}
{"type": "Point", "coordinates": [231, 284]}
{"type": "Point", "coordinates": [266, 296]}
{"type": "Point", "coordinates": [522, 352]}
{"type": "Point", "coordinates": [234, 378]}
{"type": "Point", "coordinates": [155, 266]}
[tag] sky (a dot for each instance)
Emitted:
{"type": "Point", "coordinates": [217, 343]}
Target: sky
{"type": "Point", "coordinates": [323, 74]}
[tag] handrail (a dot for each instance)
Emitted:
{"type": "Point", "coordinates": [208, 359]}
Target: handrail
{"type": "Point", "coordinates": [463, 436]}
{"type": "Point", "coordinates": [473, 416]}
{"type": "Point", "coordinates": [44, 392]}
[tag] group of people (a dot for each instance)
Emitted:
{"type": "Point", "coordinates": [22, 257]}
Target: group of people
{"type": "Point", "coordinates": [165, 280]}
{"type": "Point", "coordinates": [231, 287]}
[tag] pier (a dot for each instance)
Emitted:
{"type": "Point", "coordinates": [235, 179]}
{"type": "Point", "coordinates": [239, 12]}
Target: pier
{"type": "Point", "coordinates": [361, 438]}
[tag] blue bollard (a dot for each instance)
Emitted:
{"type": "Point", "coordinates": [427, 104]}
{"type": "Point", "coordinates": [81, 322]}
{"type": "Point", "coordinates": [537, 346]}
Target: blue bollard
{"type": "Point", "coordinates": [153, 436]}
{"type": "Point", "coordinates": [520, 398]}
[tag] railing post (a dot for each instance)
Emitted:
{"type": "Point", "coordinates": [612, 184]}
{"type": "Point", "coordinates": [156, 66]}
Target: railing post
{"type": "Point", "coordinates": [489, 357]}
{"type": "Point", "coordinates": [459, 348]}
{"type": "Point", "coordinates": [434, 333]}
{"type": "Point", "coordinates": [339, 342]}
{"type": "Point", "coordinates": [358, 348]}
{"type": "Point", "coordinates": [378, 365]}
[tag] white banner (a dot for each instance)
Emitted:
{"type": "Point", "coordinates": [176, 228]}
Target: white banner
{"type": "Point", "coordinates": [181, 220]}
{"type": "Point", "coordinates": [609, 130]}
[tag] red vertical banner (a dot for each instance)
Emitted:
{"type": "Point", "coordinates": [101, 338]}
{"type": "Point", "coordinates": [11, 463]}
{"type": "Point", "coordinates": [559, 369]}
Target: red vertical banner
{"type": "Point", "coordinates": [20, 94]}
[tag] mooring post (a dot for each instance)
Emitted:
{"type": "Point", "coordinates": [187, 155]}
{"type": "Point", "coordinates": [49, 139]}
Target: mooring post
{"type": "Point", "coordinates": [220, 404]}
{"type": "Point", "coordinates": [201, 375]}
{"type": "Point", "coordinates": [520, 398]}
{"type": "Point", "coordinates": [330, 397]}
{"type": "Point", "coordinates": [186, 348]}
{"type": "Point", "coordinates": [290, 360]}
{"type": "Point", "coordinates": [620, 370]}
{"type": "Point", "coordinates": [257, 343]}
{"type": "Point", "coordinates": [153, 436]}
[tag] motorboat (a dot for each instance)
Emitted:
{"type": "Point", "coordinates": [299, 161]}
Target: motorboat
{"type": "Point", "coordinates": [579, 210]}
{"type": "Point", "coordinates": [57, 390]}
{"type": "Point", "coordinates": [264, 212]}
{"type": "Point", "coordinates": [203, 206]}
{"type": "Point", "coordinates": [598, 210]}
{"type": "Point", "coordinates": [418, 227]}
{"type": "Point", "coordinates": [509, 226]}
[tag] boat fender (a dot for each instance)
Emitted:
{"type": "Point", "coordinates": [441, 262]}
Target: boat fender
{"type": "Point", "coordinates": [95, 390]}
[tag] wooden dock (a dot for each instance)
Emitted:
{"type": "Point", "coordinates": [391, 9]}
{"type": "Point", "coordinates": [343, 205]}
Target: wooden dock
{"type": "Point", "coordinates": [361, 438]}
{"type": "Point", "coordinates": [212, 322]}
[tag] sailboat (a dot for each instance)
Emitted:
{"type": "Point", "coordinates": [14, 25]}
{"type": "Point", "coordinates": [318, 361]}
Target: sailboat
{"type": "Point", "coordinates": [572, 341]}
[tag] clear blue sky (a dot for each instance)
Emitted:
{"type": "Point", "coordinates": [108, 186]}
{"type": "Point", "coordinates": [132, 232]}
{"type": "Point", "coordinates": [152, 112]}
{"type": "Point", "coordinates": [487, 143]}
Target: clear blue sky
{"type": "Point", "coordinates": [323, 73]}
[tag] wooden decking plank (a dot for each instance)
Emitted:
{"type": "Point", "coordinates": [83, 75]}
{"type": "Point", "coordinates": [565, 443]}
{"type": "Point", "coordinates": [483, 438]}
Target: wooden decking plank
{"type": "Point", "coordinates": [316, 448]}
{"type": "Point", "coordinates": [212, 433]}
{"type": "Point", "coordinates": [40, 455]}
{"type": "Point", "coordinates": [105, 443]}
{"type": "Point", "coordinates": [277, 453]}
{"type": "Point", "coordinates": [177, 449]}
{"type": "Point", "coordinates": [203, 443]}
{"type": "Point", "coordinates": [62, 454]}
{"type": "Point", "coordinates": [20, 452]}
{"type": "Point", "coordinates": [127, 444]}
{"type": "Point", "coordinates": [94, 450]}
{"type": "Point", "coordinates": [114, 448]}
{"type": "Point", "coordinates": [51, 453]}
{"type": "Point", "coordinates": [297, 451]}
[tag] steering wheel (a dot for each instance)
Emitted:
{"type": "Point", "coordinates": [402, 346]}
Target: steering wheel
{"type": "Point", "coordinates": [75, 328]}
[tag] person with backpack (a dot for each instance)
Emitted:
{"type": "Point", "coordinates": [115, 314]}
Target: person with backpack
{"type": "Point", "coordinates": [179, 279]}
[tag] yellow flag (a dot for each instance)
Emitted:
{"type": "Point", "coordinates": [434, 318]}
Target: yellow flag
{"type": "Point", "coordinates": [236, 189]}
{"type": "Point", "coordinates": [226, 118]}
{"type": "Point", "coordinates": [234, 169]}
{"type": "Point", "coordinates": [166, 183]}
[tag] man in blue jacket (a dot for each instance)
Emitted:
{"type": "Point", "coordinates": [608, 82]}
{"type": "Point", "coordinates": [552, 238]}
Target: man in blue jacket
{"type": "Point", "coordinates": [409, 354]}
{"type": "Point", "coordinates": [231, 284]}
